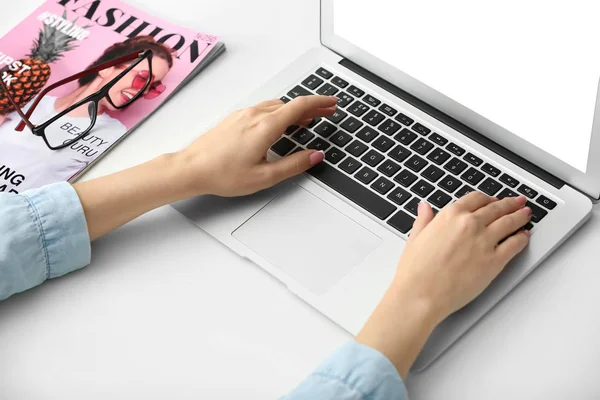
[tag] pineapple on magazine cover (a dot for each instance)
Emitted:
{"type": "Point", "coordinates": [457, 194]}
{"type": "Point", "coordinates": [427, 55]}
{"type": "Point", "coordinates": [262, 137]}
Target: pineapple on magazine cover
{"type": "Point", "coordinates": [49, 47]}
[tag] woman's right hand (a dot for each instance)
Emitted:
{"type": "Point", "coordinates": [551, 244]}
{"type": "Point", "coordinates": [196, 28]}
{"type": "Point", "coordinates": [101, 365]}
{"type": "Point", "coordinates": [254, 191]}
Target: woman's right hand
{"type": "Point", "coordinates": [447, 262]}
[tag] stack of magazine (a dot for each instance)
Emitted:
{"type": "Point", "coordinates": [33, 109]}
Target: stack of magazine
{"type": "Point", "coordinates": [69, 40]}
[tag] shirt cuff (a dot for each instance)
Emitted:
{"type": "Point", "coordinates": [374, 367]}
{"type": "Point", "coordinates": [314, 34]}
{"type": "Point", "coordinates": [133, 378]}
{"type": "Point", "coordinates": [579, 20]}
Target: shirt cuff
{"type": "Point", "coordinates": [63, 228]}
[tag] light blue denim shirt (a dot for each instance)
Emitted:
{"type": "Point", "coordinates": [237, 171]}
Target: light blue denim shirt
{"type": "Point", "coordinates": [43, 235]}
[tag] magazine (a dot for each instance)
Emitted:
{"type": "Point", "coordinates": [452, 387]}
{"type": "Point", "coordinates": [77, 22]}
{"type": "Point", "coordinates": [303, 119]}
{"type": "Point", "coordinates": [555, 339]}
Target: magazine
{"type": "Point", "coordinates": [70, 127]}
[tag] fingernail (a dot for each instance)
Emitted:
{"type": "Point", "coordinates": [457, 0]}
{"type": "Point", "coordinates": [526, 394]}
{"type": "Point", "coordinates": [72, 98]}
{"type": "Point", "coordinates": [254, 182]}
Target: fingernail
{"type": "Point", "coordinates": [521, 200]}
{"type": "Point", "coordinates": [527, 233]}
{"type": "Point", "coordinates": [316, 157]}
{"type": "Point", "coordinates": [420, 207]}
{"type": "Point", "coordinates": [527, 210]}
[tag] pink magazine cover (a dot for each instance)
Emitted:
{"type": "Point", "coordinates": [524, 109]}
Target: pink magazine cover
{"type": "Point", "coordinates": [64, 38]}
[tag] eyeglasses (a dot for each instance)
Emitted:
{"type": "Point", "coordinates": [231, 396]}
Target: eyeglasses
{"type": "Point", "coordinates": [77, 120]}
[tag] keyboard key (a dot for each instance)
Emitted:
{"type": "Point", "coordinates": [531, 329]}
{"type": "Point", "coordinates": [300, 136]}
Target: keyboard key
{"type": "Point", "coordinates": [335, 155]}
{"type": "Point", "coordinates": [356, 148]}
{"type": "Point", "coordinates": [388, 110]}
{"type": "Point", "coordinates": [283, 146]}
{"type": "Point", "coordinates": [383, 143]}
{"type": "Point", "coordinates": [449, 183]}
{"type": "Point", "coordinates": [314, 122]}
{"type": "Point", "coordinates": [465, 190]}
{"type": "Point", "coordinates": [507, 193]}
{"type": "Point", "coordinates": [367, 134]}
{"type": "Point", "coordinates": [546, 202]}
{"type": "Point", "coordinates": [350, 165]}
{"type": "Point", "coordinates": [388, 168]}
{"type": "Point", "coordinates": [291, 129]}
{"type": "Point", "coordinates": [366, 175]}
{"type": "Point", "coordinates": [358, 109]}
{"type": "Point", "coordinates": [404, 119]}
{"type": "Point", "coordinates": [455, 166]}
{"type": "Point", "coordinates": [389, 127]}
{"type": "Point", "coordinates": [337, 81]}
{"type": "Point", "coordinates": [421, 129]}
{"type": "Point", "coordinates": [353, 90]}
{"type": "Point", "coordinates": [322, 72]}
{"type": "Point", "coordinates": [406, 137]}
{"type": "Point", "coordinates": [373, 158]}
{"type": "Point", "coordinates": [422, 188]}
{"type": "Point", "coordinates": [432, 173]}
{"type": "Point", "coordinates": [537, 212]}
{"type": "Point", "coordinates": [297, 149]}
{"type": "Point", "coordinates": [354, 191]}
{"type": "Point", "coordinates": [438, 156]}
{"type": "Point", "coordinates": [439, 199]}
{"type": "Point", "coordinates": [327, 90]}
{"type": "Point", "coordinates": [372, 101]}
{"type": "Point", "coordinates": [399, 196]}
{"type": "Point", "coordinates": [340, 138]}
{"type": "Point", "coordinates": [416, 163]}
{"type": "Point", "coordinates": [455, 149]}
{"type": "Point", "coordinates": [509, 181]}
{"type": "Point", "coordinates": [405, 178]}
{"type": "Point", "coordinates": [318, 144]}
{"type": "Point", "coordinates": [490, 187]}
{"type": "Point", "coordinates": [312, 82]}
{"type": "Point", "coordinates": [344, 99]}
{"type": "Point", "coordinates": [527, 191]}
{"type": "Point", "coordinates": [337, 116]}
{"type": "Point", "coordinates": [473, 159]}
{"type": "Point", "coordinates": [440, 141]}
{"type": "Point", "coordinates": [303, 136]}
{"type": "Point", "coordinates": [373, 118]}
{"type": "Point", "coordinates": [413, 206]}
{"type": "Point", "coordinates": [382, 185]}
{"type": "Point", "coordinates": [284, 99]}
{"type": "Point", "coordinates": [422, 146]}
{"type": "Point", "coordinates": [351, 124]}
{"type": "Point", "coordinates": [472, 176]}
{"type": "Point", "coordinates": [325, 129]}
{"type": "Point", "coordinates": [490, 169]}
{"type": "Point", "coordinates": [401, 221]}
{"type": "Point", "coordinates": [297, 92]}
{"type": "Point", "coordinates": [399, 153]}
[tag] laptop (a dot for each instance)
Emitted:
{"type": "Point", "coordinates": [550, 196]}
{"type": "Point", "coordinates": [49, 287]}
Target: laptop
{"type": "Point", "coordinates": [436, 99]}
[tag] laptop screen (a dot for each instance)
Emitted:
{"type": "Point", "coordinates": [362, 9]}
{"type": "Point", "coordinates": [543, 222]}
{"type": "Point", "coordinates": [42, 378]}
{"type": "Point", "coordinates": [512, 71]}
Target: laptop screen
{"type": "Point", "coordinates": [531, 67]}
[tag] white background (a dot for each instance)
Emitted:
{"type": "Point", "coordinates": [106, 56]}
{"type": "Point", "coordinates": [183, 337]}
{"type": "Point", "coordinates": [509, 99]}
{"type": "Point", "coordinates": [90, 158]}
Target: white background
{"type": "Point", "coordinates": [530, 66]}
{"type": "Point", "coordinates": [166, 312]}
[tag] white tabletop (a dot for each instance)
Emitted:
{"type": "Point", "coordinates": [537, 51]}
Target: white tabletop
{"type": "Point", "coordinates": [165, 311]}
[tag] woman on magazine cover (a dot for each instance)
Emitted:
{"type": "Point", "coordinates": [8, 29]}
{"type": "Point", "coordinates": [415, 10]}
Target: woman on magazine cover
{"type": "Point", "coordinates": [46, 233]}
{"type": "Point", "coordinates": [29, 156]}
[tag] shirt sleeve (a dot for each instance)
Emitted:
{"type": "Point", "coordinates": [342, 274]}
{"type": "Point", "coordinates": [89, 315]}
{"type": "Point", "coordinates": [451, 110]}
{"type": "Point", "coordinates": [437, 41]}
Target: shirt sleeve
{"type": "Point", "coordinates": [43, 235]}
{"type": "Point", "coordinates": [353, 372]}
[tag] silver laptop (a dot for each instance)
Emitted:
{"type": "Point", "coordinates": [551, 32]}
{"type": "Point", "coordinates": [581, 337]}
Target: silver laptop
{"type": "Point", "coordinates": [437, 99]}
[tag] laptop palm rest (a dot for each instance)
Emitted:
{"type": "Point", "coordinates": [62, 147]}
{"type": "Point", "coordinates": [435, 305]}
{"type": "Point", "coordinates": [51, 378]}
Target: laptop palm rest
{"type": "Point", "coordinates": [307, 239]}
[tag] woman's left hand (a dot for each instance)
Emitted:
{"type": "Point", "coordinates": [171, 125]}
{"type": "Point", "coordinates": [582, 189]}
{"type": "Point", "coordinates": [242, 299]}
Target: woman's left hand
{"type": "Point", "coordinates": [229, 160]}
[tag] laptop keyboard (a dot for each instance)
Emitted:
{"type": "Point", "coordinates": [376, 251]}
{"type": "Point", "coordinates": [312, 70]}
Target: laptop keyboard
{"type": "Point", "coordinates": [386, 162]}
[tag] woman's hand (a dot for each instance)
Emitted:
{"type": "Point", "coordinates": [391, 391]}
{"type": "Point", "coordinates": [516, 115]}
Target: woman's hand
{"type": "Point", "coordinates": [447, 262]}
{"type": "Point", "coordinates": [229, 160]}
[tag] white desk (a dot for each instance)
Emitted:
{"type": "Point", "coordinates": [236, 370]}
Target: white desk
{"type": "Point", "coordinates": [164, 311]}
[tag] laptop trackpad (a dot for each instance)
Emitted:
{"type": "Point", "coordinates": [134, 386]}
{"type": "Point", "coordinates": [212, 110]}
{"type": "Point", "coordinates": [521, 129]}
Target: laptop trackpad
{"type": "Point", "coordinates": [307, 239]}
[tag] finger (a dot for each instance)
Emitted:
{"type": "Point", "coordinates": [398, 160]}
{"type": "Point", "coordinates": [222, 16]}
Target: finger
{"type": "Point", "coordinates": [302, 107]}
{"type": "Point", "coordinates": [305, 122]}
{"type": "Point", "coordinates": [473, 201]}
{"type": "Point", "coordinates": [512, 246]}
{"type": "Point", "coordinates": [424, 217]}
{"type": "Point", "coordinates": [508, 224]}
{"type": "Point", "coordinates": [498, 209]}
{"type": "Point", "coordinates": [290, 166]}
{"type": "Point", "coordinates": [269, 103]}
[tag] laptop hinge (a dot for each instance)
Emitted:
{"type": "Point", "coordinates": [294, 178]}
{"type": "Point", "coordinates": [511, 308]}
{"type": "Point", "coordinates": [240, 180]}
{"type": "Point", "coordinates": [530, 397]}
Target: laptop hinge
{"type": "Point", "coordinates": [454, 124]}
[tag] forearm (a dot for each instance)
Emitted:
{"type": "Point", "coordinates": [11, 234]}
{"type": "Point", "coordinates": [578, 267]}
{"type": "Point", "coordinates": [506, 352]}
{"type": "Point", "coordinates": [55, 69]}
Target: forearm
{"type": "Point", "coordinates": [112, 201]}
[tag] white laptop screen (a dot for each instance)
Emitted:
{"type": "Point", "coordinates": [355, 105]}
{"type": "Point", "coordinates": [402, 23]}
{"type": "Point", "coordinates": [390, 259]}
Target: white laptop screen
{"type": "Point", "coordinates": [531, 67]}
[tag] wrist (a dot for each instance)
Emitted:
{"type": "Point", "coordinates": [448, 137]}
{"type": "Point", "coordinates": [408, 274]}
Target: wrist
{"type": "Point", "coordinates": [181, 173]}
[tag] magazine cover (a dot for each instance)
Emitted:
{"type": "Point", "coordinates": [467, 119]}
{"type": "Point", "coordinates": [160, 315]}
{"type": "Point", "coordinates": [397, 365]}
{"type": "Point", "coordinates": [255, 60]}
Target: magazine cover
{"type": "Point", "coordinates": [134, 63]}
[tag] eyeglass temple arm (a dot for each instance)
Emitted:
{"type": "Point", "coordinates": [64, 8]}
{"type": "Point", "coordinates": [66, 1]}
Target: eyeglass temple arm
{"type": "Point", "coordinates": [98, 68]}
{"type": "Point", "coordinates": [24, 118]}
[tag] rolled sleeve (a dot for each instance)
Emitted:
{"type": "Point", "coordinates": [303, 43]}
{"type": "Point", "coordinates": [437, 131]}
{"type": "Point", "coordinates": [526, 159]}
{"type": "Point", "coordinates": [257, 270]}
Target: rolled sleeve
{"type": "Point", "coordinates": [43, 235]}
{"type": "Point", "coordinates": [353, 372]}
